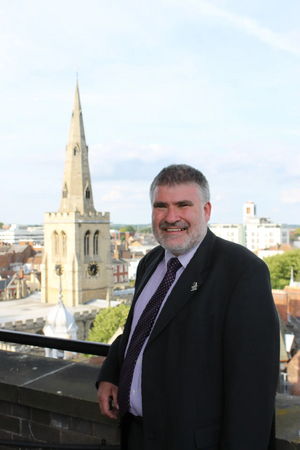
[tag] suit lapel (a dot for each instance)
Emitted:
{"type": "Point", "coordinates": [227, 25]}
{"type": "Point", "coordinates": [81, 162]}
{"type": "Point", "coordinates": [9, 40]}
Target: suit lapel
{"type": "Point", "coordinates": [185, 286]}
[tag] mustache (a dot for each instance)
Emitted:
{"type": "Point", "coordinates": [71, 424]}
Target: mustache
{"type": "Point", "coordinates": [178, 224]}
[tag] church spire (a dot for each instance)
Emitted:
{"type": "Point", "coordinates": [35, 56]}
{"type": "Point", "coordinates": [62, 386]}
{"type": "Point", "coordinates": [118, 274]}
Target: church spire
{"type": "Point", "coordinates": [77, 189]}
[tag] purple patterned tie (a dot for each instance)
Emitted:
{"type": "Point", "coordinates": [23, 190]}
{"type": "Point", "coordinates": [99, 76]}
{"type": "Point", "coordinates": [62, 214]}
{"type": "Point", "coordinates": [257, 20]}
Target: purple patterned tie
{"type": "Point", "coordinates": [141, 332]}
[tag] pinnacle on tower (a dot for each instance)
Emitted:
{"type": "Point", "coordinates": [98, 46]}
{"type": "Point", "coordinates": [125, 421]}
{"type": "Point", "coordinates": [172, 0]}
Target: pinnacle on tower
{"type": "Point", "coordinates": [77, 188]}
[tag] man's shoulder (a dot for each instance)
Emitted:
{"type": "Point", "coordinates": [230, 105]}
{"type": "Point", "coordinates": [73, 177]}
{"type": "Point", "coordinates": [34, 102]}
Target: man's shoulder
{"type": "Point", "coordinates": [156, 254]}
{"type": "Point", "coordinates": [236, 253]}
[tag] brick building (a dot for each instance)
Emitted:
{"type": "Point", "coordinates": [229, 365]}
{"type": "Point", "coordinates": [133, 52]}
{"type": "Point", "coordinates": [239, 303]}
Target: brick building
{"type": "Point", "coordinates": [14, 253]}
{"type": "Point", "coordinates": [287, 302]}
{"type": "Point", "coordinates": [120, 270]}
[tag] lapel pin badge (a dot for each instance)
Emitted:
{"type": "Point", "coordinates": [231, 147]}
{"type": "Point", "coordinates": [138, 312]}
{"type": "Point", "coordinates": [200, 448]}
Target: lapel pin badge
{"type": "Point", "coordinates": [194, 286]}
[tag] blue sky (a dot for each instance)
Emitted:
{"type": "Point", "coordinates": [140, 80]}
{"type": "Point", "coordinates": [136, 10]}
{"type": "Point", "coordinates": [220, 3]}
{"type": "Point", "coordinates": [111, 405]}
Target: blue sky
{"type": "Point", "coordinates": [214, 84]}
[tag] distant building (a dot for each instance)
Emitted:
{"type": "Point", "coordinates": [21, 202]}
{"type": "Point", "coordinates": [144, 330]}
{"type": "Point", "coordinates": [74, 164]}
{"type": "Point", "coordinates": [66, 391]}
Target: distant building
{"type": "Point", "coordinates": [142, 244]}
{"type": "Point", "coordinates": [121, 235]}
{"type": "Point", "coordinates": [14, 288]}
{"type": "Point", "coordinates": [255, 233]}
{"type": "Point", "coordinates": [14, 255]}
{"type": "Point", "coordinates": [16, 233]}
{"type": "Point", "coordinates": [120, 266]}
{"type": "Point", "coordinates": [120, 270]}
{"type": "Point", "coordinates": [77, 238]}
{"type": "Point", "coordinates": [278, 249]}
{"type": "Point", "coordinates": [287, 302]}
{"type": "Point", "coordinates": [132, 267]}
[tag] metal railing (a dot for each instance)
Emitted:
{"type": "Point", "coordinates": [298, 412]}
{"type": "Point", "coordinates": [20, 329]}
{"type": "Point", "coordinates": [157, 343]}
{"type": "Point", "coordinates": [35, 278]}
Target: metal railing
{"type": "Point", "coordinates": [37, 340]}
{"type": "Point", "coordinates": [25, 445]}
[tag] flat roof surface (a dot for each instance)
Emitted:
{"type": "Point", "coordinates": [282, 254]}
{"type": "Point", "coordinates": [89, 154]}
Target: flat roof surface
{"type": "Point", "coordinates": [32, 308]}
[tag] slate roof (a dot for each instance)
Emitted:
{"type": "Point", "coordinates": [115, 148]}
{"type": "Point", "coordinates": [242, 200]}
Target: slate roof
{"type": "Point", "coordinates": [4, 283]}
{"type": "Point", "coordinates": [294, 327]}
{"type": "Point", "coordinates": [118, 261]}
{"type": "Point", "coordinates": [17, 248]}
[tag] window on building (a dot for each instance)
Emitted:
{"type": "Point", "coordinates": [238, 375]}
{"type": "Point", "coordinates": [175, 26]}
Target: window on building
{"type": "Point", "coordinates": [115, 279]}
{"type": "Point", "coordinates": [87, 243]}
{"type": "Point", "coordinates": [87, 193]}
{"type": "Point", "coordinates": [95, 243]}
{"type": "Point", "coordinates": [56, 245]}
{"type": "Point", "coordinates": [248, 210]}
{"type": "Point", "coordinates": [121, 278]}
{"type": "Point", "coordinates": [76, 151]}
{"type": "Point", "coordinates": [65, 191]}
{"type": "Point", "coordinates": [64, 243]}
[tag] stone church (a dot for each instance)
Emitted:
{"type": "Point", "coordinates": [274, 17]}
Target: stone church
{"type": "Point", "coordinates": [77, 237]}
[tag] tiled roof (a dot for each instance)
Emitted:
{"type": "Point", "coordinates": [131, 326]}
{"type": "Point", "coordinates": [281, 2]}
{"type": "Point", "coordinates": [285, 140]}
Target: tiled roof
{"type": "Point", "coordinates": [282, 247]}
{"type": "Point", "coordinates": [17, 248]}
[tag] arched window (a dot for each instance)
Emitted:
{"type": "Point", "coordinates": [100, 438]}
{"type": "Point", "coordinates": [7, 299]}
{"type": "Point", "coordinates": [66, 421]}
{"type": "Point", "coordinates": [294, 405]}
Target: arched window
{"type": "Point", "coordinates": [64, 243]}
{"type": "Point", "coordinates": [87, 193]}
{"type": "Point", "coordinates": [56, 245]}
{"type": "Point", "coordinates": [76, 151]}
{"type": "Point", "coordinates": [86, 248]}
{"type": "Point", "coordinates": [95, 243]}
{"type": "Point", "coordinates": [65, 191]}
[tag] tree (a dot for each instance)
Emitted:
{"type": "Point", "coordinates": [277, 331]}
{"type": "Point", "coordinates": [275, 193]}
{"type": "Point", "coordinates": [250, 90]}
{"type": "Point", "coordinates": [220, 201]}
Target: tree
{"type": "Point", "coordinates": [1, 224]}
{"type": "Point", "coordinates": [280, 268]}
{"type": "Point", "coordinates": [295, 235]}
{"type": "Point", "coordinates": [129, 228]}
{"type": "Point", "coordinates": [146, 230]}
{"type": "Point", "coordinates": [106, 323]}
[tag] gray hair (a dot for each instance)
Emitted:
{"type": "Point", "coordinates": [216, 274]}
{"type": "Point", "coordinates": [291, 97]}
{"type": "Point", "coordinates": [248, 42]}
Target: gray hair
{"type": "Point", "coordinates": [177, 174]}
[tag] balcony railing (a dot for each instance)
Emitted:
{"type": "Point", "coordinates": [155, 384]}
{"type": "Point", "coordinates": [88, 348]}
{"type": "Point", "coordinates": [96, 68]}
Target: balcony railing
{"type": "Point", "coordinates": [76, 346]}
{"type": "Point", "coordinates": [73, 376]}
{"type": "Point", "coordinates": [38, 340]}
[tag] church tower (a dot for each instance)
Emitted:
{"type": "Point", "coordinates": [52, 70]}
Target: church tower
{"type": "Point", "coordinates": [77, 237]}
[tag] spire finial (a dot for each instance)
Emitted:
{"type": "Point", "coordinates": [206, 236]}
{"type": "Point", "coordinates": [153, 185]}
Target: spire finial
{"type": "Point", "coordinates": [292, 276]}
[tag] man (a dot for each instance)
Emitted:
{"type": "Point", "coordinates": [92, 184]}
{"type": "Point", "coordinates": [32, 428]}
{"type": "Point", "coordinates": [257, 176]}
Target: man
{"type": "Point", "coordinates": [197, 364]}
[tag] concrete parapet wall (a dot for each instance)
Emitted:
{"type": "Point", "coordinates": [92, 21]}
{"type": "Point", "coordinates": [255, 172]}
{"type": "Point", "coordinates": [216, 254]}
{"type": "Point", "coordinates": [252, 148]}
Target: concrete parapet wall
{"type": "Point", "coordinates": [287, 422]}
{"type": "Point", "coordinates": [47, 400]}
{"type": "Point", "coordinates": [84, 320]}
{"type": "Point", "coordinates": [54, 401]}
{"type": "Point", "coordinates": [76, 216]}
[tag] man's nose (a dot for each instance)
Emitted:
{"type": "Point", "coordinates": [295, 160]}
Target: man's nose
{"type": "Point", "coordinates": [172, 215]}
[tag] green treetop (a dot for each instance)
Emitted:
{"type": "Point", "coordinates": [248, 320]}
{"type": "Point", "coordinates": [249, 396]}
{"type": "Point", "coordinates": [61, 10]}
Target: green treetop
{"type": "Point", "coordinates": [280, 268]}
{"type": "Point", "coordinates": [107, 322]}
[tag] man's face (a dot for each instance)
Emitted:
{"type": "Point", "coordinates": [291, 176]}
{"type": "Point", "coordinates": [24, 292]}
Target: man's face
{"type": "Point", "coordinates": [179, 217]}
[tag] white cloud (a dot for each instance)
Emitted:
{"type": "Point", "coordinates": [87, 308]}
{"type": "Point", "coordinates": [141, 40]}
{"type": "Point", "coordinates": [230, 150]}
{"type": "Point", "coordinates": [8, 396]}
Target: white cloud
{"type": "Point", "coordinates": [289, 43]}
{"type": "Point", "coordinates": [290, 196]}
{"type": "Point", "coordinates": [113, 152]}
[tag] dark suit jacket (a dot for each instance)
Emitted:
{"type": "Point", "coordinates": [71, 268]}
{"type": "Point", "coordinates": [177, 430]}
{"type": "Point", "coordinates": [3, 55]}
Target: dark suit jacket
{"type": "Point", "coordinates": [211, 364]}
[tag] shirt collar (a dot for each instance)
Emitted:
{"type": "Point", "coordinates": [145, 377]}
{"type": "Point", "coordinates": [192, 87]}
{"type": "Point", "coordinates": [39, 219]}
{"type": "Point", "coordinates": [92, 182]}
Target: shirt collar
{"type": "Point", "coordinates": [184, 259]}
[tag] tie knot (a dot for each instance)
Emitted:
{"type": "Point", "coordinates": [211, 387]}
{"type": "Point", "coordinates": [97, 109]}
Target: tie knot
{"type": "Point", "coordinates": [174, 264]}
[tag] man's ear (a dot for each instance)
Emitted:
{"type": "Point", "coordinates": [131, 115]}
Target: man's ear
{"type": "Point", "coordinates": [207, 211]}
